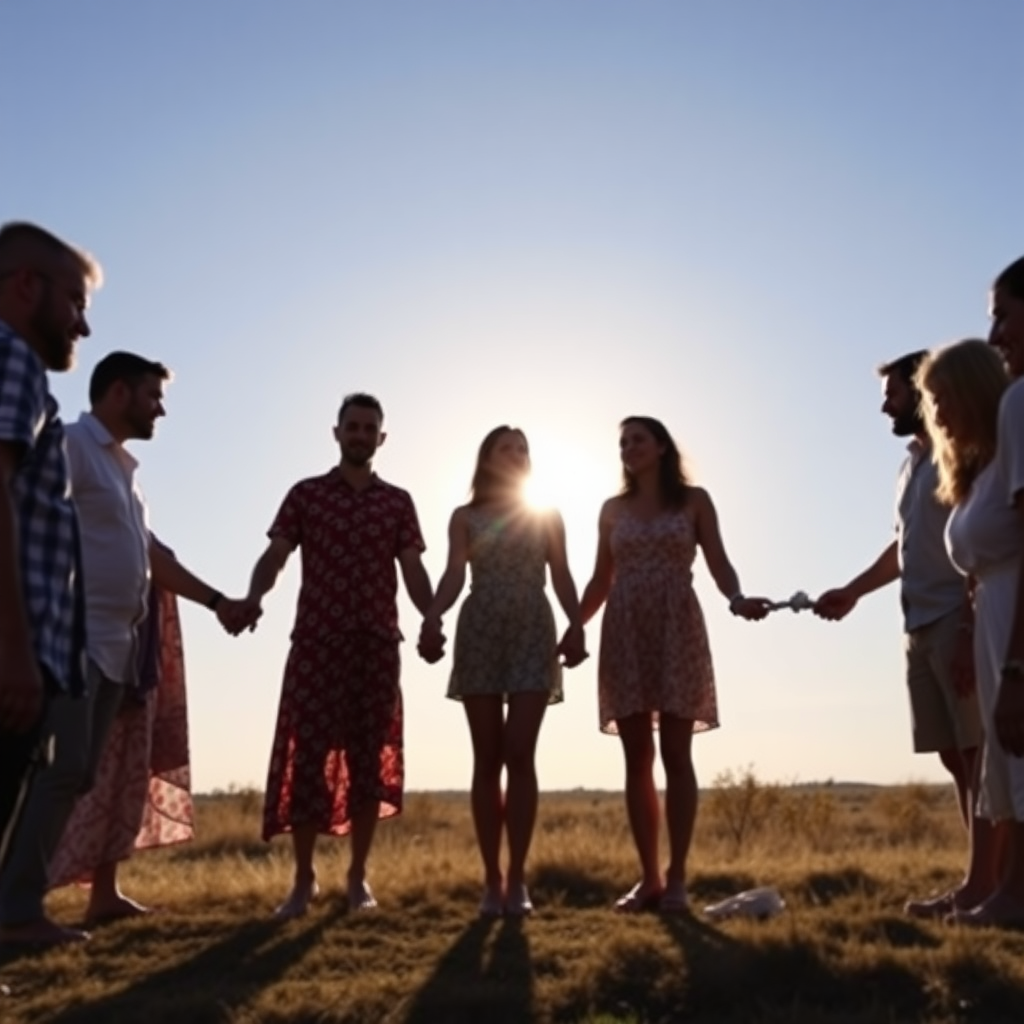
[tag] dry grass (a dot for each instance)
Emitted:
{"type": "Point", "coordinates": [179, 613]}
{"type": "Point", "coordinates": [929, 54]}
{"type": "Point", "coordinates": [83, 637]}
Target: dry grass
{"type": "Point", "coordinates": [842, 953]}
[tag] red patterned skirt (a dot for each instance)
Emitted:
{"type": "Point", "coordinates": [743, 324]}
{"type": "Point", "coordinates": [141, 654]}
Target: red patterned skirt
{"type": "Point", "coordinates": [338, 743]}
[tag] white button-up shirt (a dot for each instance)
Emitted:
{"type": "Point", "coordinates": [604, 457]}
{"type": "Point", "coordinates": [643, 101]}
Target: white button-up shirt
{"type": "Point", "coordinates": [931, 586]}
{"type": "Point", "coordinates": [115, 545]}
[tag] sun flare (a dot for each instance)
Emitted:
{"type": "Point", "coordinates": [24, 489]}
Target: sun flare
{"type": "Point", "coordinates": [568, 478]}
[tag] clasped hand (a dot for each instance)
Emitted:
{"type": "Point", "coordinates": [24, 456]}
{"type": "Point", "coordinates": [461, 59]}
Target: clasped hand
{"type": "Point", "coordinates": [431, 642]}
{"type": "Point", "coordinates": [238, 614]}
{"type": "Point", "coordinates": [572, 648]}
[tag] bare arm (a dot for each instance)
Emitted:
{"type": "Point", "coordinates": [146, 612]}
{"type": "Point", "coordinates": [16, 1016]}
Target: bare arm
{"type": "Point", "coordinates": [885, 569]}
{"type": "Point", "coordinates": [21, 685]}
{"type": "Point", "coordinates": [233, 614]}
{"type": "Point", "coordinates": [561, 577]}
{"type": "Point", "coordinates": [417, 582]}
{"type": "Point", "coordinates": [267, 568]}
{"type": "Point", "coordinates": [454, 578]}
{"type": "Point", "coordinates": [596, 591]}
{"type": "Point", "coordinates": [171, 575]}
{"type": "Point", "coordinates": [709, 537]}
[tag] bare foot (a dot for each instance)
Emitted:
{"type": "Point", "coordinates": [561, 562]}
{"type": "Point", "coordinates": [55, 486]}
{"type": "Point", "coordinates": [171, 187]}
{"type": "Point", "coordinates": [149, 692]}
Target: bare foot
{"type": "Point", "coordinates": [42, 933]}
{"type": "Point", "coordinates": [113, 909]}
{"type": "Point", "coordinates": [299, 899]}
{"type": "Point", "coordinates": [359, 896]}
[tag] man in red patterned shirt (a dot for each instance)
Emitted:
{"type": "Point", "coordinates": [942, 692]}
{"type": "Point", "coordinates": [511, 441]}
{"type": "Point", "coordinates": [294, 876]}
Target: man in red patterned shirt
{"type": "Point", "coordinates": [337, 765]}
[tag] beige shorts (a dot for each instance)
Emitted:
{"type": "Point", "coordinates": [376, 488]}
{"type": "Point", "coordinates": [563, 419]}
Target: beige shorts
{"type": "Point", "coordinates": [942, 720]}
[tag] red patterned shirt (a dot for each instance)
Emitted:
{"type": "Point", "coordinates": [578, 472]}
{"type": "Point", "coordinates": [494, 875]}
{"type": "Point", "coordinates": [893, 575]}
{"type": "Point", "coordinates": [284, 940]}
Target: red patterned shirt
{"type": "Point", "coordinates": [350, 540]}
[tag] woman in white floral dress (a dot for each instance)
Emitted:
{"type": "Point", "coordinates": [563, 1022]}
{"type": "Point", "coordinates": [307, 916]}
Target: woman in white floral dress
{"type": "Point", "coordinates": [506, 651]}
{"type": "Point", "coordinates": [655, 667]}
{"type": "Point", "coordinates": [978, 424]}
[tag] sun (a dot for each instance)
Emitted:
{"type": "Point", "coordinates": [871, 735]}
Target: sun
{"type": "Point", "coordinates": [572, 478]}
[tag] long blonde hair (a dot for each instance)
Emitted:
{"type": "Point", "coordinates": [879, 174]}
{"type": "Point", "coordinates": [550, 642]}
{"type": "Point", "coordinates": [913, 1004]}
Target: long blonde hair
{"type": "Point", "coordinates": [972, 378]}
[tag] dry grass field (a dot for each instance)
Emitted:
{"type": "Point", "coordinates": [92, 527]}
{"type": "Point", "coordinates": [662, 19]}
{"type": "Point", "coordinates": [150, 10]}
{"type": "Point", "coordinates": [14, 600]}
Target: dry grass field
{"type": "Point", "coordinates": [844, 858]}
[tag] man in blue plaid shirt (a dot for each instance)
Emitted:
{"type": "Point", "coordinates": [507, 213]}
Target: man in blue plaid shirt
{"type": "Point", "coordinates": [44, 290]}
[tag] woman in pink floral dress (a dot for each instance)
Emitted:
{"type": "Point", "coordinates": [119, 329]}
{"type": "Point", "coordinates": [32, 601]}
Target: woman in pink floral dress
{"type": "Point", "coordinates": [655, 665]}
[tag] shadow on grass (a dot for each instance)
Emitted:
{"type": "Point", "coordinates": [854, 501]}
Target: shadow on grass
{"type": "Point", "coordinates": [825, 887]}
{"type": "Point", "coordinates": [476, 981]}
{"type": "Point", "coordinates": [207, 987]}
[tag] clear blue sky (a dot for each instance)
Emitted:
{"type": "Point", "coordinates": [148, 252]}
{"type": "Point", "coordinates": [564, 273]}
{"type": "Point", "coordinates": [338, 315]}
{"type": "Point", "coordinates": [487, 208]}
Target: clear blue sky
{"type": "Point", "coordinates": [724, 213]}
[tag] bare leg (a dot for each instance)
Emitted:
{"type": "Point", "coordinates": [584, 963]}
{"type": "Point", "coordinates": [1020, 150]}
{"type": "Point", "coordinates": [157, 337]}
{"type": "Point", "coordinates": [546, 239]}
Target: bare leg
{"type": "Point", "coordinates": [983, 864]}
{"type": "Point", "coordinates": [106, 901]}
{"type": "Point", "coordinates": [486, 729]}
{"type": "Point", "coordinates": [641, 802]}
{"type": "Point", "coordinates": [680, 802]}
{"type": "Point", "coordinates": [364, 825]}
{"type": "Point", "coordinates": [960, 765]}
{"type": "Point", "coordinates": [982, 871]}
{"type": "Point", "coordinates": [1006, 905]}
{"type": "Point", "coordinates": [525, 714]}
{"type": "Point", "coordinates": [305, 888]}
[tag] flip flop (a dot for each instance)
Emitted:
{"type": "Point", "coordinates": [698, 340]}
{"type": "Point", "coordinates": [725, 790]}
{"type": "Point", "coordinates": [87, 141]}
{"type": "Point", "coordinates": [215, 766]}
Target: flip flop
{"type": "Point", "coordinates": [518, 902]}
{"type": "Point", "coordinates": [636, 901]}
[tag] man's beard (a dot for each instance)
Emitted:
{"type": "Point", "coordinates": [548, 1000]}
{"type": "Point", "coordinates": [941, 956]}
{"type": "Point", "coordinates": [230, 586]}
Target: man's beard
{"type": "Point", "coordinates": [142, 428]}
{"type": "Point", "coordinates": [908, 424]}
{"type": "Point", "coordinates": [358, 459]}
{"type": "Point", "coordinates": [56, 348]}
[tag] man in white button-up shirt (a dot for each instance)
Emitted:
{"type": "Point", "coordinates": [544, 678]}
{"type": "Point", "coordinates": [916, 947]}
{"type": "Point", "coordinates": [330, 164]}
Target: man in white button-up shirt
{"type": "Point", "coordinates": [120, 561]}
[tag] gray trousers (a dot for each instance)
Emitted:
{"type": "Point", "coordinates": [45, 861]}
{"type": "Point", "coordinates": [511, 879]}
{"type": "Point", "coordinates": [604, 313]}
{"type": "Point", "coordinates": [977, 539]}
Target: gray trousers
{"type": "Point", "coordinates": [79, 729]}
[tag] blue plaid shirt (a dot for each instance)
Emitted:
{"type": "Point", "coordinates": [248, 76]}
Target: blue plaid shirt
{"type": "Point", "coordinates": [48, 540]}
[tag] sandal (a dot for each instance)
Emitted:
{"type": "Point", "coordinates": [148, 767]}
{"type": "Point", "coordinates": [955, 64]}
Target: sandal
{"type": "Point", "coordinates": [490, 905]}
{"type": "Point", "coordinates": [518, 902]}
{"type": "Point", "coordinates": [674, 901]}
{"type": "Point", "coordinates": [636, 901]}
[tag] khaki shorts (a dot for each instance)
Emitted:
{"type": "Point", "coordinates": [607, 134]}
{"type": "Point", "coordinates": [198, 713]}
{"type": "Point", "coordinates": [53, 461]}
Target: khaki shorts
{"type": "Point", "coordinates": [942, 720]}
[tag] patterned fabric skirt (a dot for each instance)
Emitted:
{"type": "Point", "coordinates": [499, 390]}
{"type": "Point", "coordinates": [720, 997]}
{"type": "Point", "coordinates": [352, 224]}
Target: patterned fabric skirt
{"type": "Point", "coordinates": [338, 743]}
{"type": "Point", "coordinates": [142, 796]}
{"type": "Point", "coordinates": [655, 659]}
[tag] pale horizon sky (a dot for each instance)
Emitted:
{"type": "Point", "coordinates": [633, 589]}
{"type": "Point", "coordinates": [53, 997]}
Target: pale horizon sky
{"type": "Point", "coordinates": [724, 214]}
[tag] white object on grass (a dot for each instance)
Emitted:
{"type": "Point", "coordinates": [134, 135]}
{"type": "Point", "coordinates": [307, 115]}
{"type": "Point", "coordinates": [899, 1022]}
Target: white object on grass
{"type": "Point", "coordinates": [760, 903]}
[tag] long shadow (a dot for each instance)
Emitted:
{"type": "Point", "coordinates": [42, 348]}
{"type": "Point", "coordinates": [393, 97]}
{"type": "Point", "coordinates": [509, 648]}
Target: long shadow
{"type": "Point", "coordinates": [571, 887]}
{"type": "Point", "coordinates": [206, 987]}
{"type": "Point", "coordinates": [467, 986]}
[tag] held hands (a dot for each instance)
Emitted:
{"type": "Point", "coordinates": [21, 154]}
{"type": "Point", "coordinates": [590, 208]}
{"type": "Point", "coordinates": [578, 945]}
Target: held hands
{"type": "Point", "coordinates": [753, 609]}
{"type": "Point", "coordinates": [572, 648]}
{"type": "Point", "coordinates": [835, 604]}
{"type": "Point", "coordinates": [431, 642]}
{"type": "Point", "coordinates": [238, 614]}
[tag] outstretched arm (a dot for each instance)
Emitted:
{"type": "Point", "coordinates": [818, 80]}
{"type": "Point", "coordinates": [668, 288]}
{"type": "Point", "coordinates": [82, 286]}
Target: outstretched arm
{"type": "Point", "coordinates": [709, 537]}
{"type": "Point", "coordinates": [596, 591]}
{"type": "Point", "coordinates": [233, 614]}
{"type": "Point", "coordinates": [572, 646]}
{"type": "Point", "coordinates": [836, 604]}
{"type": "Point", "coordinates": [264, 575]}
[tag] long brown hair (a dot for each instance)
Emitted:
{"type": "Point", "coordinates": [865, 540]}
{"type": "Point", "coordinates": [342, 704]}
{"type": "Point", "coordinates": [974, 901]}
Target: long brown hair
{"type": "Point", "coordinates": [972, 376]}
{"type": "Point", "coordinates": [485, 483]}
{"type": "Point", "coordinates": [673, 481]}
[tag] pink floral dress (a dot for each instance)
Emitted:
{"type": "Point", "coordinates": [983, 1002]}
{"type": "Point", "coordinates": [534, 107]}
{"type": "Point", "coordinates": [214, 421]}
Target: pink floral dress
{"type": "Point", "coordinates": [654, 645]}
